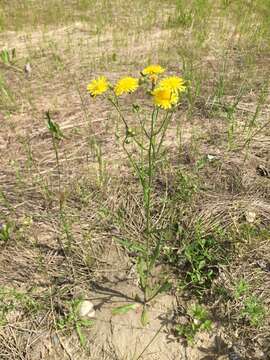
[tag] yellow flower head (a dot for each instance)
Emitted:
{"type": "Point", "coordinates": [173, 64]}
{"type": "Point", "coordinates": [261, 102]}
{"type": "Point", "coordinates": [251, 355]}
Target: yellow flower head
{"type": "Point", "coordinates": [126, 85]}
{"type": "Point", "coordinates": [174, 83]}
{"type": "Point", "coordinates": [98, 86]}
{"type": "Point", "coordinates": [153, 70]}
{"type": "Point", "coordinates": [165, 97]}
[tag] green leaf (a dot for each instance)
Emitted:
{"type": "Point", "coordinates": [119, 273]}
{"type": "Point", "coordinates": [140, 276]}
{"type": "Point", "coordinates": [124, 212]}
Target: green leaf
{"type": "Point", "coordinates": [80, 335]}
{"type": "Point", "coordinates": [131, 246]}
{"type": "Point", "coordinates": [155, 254]}
{"type": "Point", "coordinates": [201, 264]}
{"type": "Point", "coordinates": [144, 317]}
{"type": "Point", "coordinates": [86, 322]}
{"type": "Point", "coordinates": [54, 128]}
{"type": "Point", "coordinates": [207, 325]}
{"type": "Point", "coordinates": [5, 232]}
{"type": "Point", "coordinates": [141, 268]}
{"type": "Point", "coordinates": [5, 56]}
{"type": "Point", "coordinates": [120, 310]}
{"type": "Point", "coordinates": [166, 286]}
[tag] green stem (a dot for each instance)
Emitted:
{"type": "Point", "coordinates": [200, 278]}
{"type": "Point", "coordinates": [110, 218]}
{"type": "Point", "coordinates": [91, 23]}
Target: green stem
{"type": "Point", "coordinates": [146, 182]}
{"type": "Point", "coordinates": [57, 162]}
{"type": "Point", "coordinates": [142, 125]}
{"type": "Point", "coordinates": [162, 124]}
{"type": "Point", "coordinates": [133, 163]}
{"type": "Point", "coordinates": [151, 168]}
{"type": "Point", "coordinates": [165, 125]}
{"type": "Point", "coordinates": [61, 212]}
{"type": "Point", "coordinates": [115, 104]}
{"type": "Point", "coordinates": [250, 136]}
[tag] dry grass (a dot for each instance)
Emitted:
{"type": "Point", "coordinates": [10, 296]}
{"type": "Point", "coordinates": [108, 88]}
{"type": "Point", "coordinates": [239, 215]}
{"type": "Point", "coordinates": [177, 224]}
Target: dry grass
{"type": "Point", "coordinates": [52, 259]}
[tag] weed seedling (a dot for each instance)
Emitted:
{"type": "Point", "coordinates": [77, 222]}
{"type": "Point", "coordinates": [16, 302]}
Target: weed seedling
{"type": "Point", "coordinates": [73, 321]}
{"type": "Point", "coordinates": [253, 310]}
{"type": "Point", "coordinates": [186, 187]}
{"type": "Point", "coordinates": [202, 254]}
{"type": "Point", "coordinates": [198, 321]}
{"type": "Point", "coordinates": [5, 232]}
{"type": "Point", "coordinates": [241, 289]}
{"type": "Point", "coordinates": [11, 299]}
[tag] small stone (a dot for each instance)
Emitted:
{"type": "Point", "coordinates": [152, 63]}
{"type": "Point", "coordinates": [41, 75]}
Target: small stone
{"type": "Point", "coordinates": [27, 69]}
{"type": "Point", "coordinates": [212, 157]}
{"type": "Point", "coordinates": [250, 216]}
{"type": "Point", "coordinates": [259, 354]}
{"type": "Point", "coordinates": [86, 309]}
{"type": "Point", "coordinates": [55, 340]}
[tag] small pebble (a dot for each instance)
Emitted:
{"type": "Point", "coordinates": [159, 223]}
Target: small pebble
{"type": "Point", "coordinates": [27, 69]}
{"type": "Point", "coordinates": [250, 216]}
{"type": "Point", "coordinates": [86, 309]}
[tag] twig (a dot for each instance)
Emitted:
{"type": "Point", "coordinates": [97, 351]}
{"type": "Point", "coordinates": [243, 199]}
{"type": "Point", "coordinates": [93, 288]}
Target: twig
{"type": "Point", "coordinates": [150, 342]}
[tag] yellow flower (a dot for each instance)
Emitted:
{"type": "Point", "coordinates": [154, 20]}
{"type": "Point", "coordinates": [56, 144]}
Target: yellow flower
{"type": "Point", "coordinates": [174, 83]}
{"type": "Point", "coordinates": [126, 85]}
{"type": "Point", "coordinates": [165, 97]}
{"type": "Point", "coordinates": [153, 70]}
{"type": "Point", "coordinates": [98, 86]}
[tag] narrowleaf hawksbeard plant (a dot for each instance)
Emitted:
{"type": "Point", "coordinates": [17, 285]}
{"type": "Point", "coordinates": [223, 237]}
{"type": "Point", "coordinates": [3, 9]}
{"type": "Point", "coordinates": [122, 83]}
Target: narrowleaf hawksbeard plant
{"type": "Point", "coordinates": [164, 95]}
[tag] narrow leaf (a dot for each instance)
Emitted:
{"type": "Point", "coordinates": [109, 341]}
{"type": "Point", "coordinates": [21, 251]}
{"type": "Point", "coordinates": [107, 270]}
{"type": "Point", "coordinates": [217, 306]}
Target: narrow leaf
{"type": "Point", "coordinates": [120, 310]}
{"type": "Point", "coordinates": [141, 268]}
{"type": "Point", "coordinates": [166, 286]}
{"type": "Point", "coordinates": [155, 254]}
{"type": "Point", "coordinates": [144, 317]}
{"type": "Point", "coordinates": [80, 335]}
{"type": "Point", "coordinates": [133, 247]}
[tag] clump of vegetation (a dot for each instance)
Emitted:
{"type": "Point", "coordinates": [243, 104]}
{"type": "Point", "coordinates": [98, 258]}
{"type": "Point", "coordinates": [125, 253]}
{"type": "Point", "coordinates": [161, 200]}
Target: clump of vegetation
{"type": "Point", "coordinates": [20, 302]}
{"type": "Point", "coordinates": [198, 320]}
{"type": "Point", "coordinates": [203, 255]}
{"type": "Point", "coordinates": [252, 308]}
{"type": "Point", "coordinates": [72, 320]}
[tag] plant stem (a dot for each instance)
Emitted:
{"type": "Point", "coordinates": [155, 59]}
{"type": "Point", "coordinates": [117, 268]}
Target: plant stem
{"type": "Point", "coordinates": [164, 125]}
{"type": "Point", "coordinates": [55, 147]}
{"type": "Point", "coordinates": [133, 163]}
{"type": "Point", "coordinates": [151, 168]}
{"type": "Point", "coordinates": [150, 342]}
